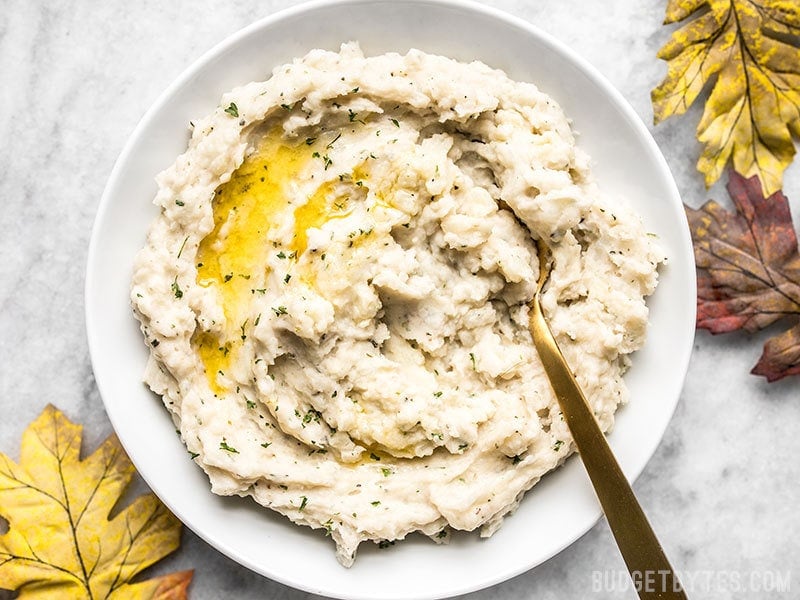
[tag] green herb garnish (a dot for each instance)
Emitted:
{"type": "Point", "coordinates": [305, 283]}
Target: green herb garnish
{"type": "Point", "coordinates": [223, 445]}
{"type": "Point", "coordinates": [176, 289]}
{"type": "Point", "coordinates": [232, 110]}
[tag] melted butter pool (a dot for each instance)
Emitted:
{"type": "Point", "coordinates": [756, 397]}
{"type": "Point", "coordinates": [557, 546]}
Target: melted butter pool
{"type": "Point", "coordinates": [328, 202]}
{"type": "Point", "coordinates": [233, 257]}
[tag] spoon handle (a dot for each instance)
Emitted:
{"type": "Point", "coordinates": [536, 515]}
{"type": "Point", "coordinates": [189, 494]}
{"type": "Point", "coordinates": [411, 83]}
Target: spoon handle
{"type": "Point", "coordinates": [652, 575]}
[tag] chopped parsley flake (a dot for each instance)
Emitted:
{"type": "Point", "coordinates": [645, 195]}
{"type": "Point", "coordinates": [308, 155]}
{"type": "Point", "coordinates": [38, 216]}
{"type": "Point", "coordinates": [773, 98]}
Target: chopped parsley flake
{"type": "Point", "coordinates": [180, 251]}
{"type": "Point", "coordinates": [223, 445]}
{"type": "Point", "coordinates": [232, 110]}
{"type": "Point", "coordinates": [333, 141]}
{"type": "Point", "coordinates": [312, 415]}
{"type": "Point", "coordinates": [176, 289]}
{"type": "Point", "coordinates": [328, 525]}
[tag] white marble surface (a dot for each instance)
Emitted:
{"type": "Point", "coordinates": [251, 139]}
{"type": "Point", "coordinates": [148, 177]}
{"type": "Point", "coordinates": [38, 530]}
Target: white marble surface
{"type": "Point", "coordinates": [75, 78]}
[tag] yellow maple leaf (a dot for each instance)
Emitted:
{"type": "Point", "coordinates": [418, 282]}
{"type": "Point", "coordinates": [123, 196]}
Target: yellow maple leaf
{"type": "Point", "coordinates": [61, 541]}
{"type": "Point", "coordinates": [753, 109]}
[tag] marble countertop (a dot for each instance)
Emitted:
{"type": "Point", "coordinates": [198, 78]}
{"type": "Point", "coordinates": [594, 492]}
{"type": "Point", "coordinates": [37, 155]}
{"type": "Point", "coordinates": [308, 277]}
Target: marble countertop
{"type": "Point", "coordinates": [722, 488]}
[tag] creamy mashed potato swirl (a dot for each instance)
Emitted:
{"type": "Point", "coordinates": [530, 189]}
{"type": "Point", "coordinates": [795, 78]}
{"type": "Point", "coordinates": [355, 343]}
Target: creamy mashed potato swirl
{"type": "Point", "coordinates": [335, 293]}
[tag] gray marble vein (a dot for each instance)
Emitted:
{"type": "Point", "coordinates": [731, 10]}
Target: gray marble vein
{"type": "Point", "coordinates": [75, 77]}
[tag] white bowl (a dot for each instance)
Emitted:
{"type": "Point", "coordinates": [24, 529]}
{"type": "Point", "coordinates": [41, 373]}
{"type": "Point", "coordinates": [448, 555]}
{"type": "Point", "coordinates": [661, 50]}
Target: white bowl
{"type": "Point", "coordinates": [560, 508]}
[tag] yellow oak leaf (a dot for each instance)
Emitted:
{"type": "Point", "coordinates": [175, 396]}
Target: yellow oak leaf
{"type": "Point", "coordinates": [750, 49]}
{"type": "Point", "coordinates": [62, 540]}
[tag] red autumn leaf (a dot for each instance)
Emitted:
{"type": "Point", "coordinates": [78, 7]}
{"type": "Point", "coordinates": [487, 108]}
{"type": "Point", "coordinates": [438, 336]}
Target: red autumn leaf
{"type": "Point", "coordinates": [781, 356]}
{"type": "Point", "coordinates": [173, 586]}
{"type": "Point", "coordinates": [748, 270]}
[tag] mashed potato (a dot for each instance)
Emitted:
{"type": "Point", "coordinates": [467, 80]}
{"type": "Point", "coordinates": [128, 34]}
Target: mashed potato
{"type": "Point", "coordinates": [335, 293]}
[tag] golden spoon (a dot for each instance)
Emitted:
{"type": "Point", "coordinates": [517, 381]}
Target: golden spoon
{"type": "Point", "coordinates": [652, 575]}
